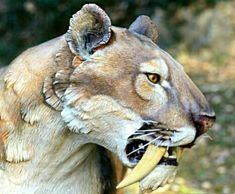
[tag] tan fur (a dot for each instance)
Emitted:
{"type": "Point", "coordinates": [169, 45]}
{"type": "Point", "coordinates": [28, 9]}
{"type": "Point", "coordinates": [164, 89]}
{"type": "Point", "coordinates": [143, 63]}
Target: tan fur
{"type": "Point", "coordinates": [57, 105]}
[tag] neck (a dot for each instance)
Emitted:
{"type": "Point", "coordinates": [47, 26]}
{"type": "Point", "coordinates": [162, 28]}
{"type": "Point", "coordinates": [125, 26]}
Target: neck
{"type": "Point", "coordinates": [57, 161]}
{"type": "Point", "coordinates": [66, 169]}
{"type": "Point", "coordinates": [42, 155]}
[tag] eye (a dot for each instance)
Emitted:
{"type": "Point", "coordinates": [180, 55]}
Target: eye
{"type": "Point", "coordinates": [153, 77]}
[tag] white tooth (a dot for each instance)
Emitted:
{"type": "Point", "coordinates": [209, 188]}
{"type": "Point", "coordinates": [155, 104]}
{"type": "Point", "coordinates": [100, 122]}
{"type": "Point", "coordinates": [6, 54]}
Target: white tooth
{"type": "Point", "coordinates": [166, 154]}
{"type": "Point", "coordinates": [148, 162]}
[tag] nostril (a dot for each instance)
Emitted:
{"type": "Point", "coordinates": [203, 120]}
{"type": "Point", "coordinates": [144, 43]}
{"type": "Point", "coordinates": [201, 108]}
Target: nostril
{"type": "Point", "coordinates": [203, 123]}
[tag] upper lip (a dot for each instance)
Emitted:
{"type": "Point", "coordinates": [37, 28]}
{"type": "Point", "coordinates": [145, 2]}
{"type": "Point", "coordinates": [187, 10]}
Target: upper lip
{"type": "Point", "coordinates": [149, 133]}
{"type": "Point", "coordinates": [155, 133]}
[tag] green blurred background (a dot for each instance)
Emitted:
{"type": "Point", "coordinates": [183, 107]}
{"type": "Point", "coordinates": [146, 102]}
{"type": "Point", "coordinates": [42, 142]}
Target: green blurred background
{"type": "Point", "coordinates": [200, 34]}
{"type": "Point", "coordinates": [26, 23]}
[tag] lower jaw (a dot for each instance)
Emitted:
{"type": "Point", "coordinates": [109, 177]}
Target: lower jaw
{"type": "Point", "coordinates": [148, 160]}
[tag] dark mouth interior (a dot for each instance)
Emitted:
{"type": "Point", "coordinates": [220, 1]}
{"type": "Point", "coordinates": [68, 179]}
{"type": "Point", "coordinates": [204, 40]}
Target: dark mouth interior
{"type": "Point", "coordinates": [168, 161]}
{"type": "Point", "coordinates": [133, 145]}
{"type": "Point", "coordinates": [135, 157]}
{"type": "Point", "coordinates": [155, 133]}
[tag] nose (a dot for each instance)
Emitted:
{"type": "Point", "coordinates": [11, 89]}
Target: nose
{"type": "Point", "coordinates": [203, 122]}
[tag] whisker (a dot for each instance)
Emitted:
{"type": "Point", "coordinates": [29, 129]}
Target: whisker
{"type": "Point", "coordinates": [168, 146]}
{"type": "Point", "coordinates": [142, 135]}
{"type": "Point", "coordinates": [137, 133]}
{"type": "Point", "coordinates": [144, 145]}
{"type": "Point", "coordinates": [150, 121]}
{"type": "Point", "coordinates": [149, 130]}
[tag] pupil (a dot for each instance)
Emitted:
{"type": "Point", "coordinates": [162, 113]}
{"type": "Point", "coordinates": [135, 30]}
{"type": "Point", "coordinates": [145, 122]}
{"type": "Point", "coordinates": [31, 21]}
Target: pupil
{"type": "Point", "coordinates": [154, 78]}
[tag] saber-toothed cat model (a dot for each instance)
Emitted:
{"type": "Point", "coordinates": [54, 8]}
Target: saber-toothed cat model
{"type": "Point", "coordinates": [69, 105]}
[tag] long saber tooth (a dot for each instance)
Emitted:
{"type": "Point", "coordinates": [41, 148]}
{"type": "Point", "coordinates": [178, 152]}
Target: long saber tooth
{"type": "Point", "coordinates": [148, 162]}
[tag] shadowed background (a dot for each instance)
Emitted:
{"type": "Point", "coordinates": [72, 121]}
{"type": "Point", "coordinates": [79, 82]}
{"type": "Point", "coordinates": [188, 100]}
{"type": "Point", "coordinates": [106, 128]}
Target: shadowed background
{"type": "Point", "coordinates": [199, 34]}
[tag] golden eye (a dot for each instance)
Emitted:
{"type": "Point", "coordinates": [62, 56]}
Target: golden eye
{"type": "Point", "coordinates": [153, 77]}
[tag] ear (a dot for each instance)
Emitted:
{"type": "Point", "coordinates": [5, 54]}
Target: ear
{"type": "Point", "coordinates": [89, 28]}
{"type": "Point", "coordinates": [145, 26]}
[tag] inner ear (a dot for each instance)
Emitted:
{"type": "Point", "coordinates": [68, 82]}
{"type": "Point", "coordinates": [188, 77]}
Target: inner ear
{"type": "Point", "coordinates": [145, 26]}
{"type": "Point", "coordinates": [89, 28]}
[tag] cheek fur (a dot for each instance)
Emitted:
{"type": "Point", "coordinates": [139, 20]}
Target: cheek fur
{"type": "Point", "coordinates": [154, 93]}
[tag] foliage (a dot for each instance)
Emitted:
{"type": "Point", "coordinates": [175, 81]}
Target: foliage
{"type": "Point", "coordinates": [26, 23]}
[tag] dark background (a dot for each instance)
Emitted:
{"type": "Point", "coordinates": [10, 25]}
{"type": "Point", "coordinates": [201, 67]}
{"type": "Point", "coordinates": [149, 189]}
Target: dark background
{"type": "Point", "coordinates": [26, 23]}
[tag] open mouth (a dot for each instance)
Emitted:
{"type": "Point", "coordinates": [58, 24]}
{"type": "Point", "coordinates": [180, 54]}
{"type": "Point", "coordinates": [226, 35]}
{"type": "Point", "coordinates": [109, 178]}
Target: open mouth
{"type": "Point", "coordinates": [151, 133]}
{"type": "Point", "coordinates": [169, 157]}
{"type": "Point", "coordinates": [148, 147]}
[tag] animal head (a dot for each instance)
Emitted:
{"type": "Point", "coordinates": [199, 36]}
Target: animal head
{"type": "Point", "coordinates": [117, 88]}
